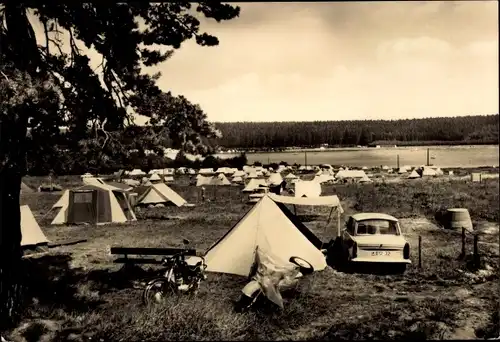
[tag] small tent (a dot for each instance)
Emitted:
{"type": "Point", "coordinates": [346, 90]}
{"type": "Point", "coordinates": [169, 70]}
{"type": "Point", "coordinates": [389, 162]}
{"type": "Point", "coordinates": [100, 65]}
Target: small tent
{"type": "Point", "coordinates": [414, 174]}
{"type": "Point", "coordinates": [427, 171]}
{"type": "Point", "coordinates": [158, 193]}
{"type": "Point", "coordinates": [93, 204]}
{"type": "Point", "coordinates": [137, 172]}
{"type": "Point", "coordinates": [290, 176]}
{"type": "Point", "coordinates": [221, 179]}
{"type": "Point", "coordinates": [324, 178]}
{"type": "Point", "coordinates": [253, 184]}
{"type": "Point", "coordinates": [265, 227]}
{"type": "Point", "coordinates": [206, 171]}
{"type": "Point", "coordinates": [274, 179]}
{"type": "Point", "coordinates": [26, 189]}
{"type": "Point", "coordinates": [252, 175]}
{"type": "Point", "coordinates": [155, 177]}
{"type": "Point", "coordinates": [202, 180]}
{"type": "Point", "coordinates": [307, 189]}
{"type": "Point", "coordinates": [31, 233]}
{"type": "Point", "coordinates": [169, 178]}
{"type": "Point", "coordinates": [239, 173]}
{"type": "Point", "coordinates": [237, 179]}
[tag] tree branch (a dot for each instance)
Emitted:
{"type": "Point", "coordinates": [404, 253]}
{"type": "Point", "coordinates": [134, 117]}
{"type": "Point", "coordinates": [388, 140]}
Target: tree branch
{"type": "Point", "coordinates": [46, 31]}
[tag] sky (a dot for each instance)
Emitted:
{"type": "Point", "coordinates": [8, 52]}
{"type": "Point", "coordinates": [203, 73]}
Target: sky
{"type": "Point", "coordinates": [343, 61]}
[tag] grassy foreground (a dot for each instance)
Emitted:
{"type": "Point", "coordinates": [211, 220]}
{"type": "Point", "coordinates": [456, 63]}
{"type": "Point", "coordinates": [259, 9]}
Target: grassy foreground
{"type": "Point", "coordinates": [76, 292]}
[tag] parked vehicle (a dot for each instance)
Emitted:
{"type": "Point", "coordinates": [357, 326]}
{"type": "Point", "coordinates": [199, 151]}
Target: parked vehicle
{"type": "Point", "coordinates": [266, 283]}
{"type": "Point", "coordinates": [178, 277]}
{"type": "Point", "coordinates": [373, 238]}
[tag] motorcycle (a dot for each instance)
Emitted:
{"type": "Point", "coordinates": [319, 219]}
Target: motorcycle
{"type": "Point", "coordinates": [268, 280]}
{"type": "Point", "coordinates": [178, 277]}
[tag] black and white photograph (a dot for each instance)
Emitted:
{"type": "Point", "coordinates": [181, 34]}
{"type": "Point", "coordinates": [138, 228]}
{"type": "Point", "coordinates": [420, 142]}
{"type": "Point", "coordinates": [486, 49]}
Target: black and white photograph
{"type": "Point", "coordinates": [249, 171]}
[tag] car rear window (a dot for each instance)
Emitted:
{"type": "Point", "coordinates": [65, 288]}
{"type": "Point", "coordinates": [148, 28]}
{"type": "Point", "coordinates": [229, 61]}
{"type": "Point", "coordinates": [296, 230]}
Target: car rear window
{"type": "Point", "coordinates": [373, 227]}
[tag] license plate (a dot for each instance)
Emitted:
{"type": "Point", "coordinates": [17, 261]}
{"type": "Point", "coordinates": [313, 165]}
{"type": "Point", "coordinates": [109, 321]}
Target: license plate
{"type": "Point", "coordinates": [381, 253]}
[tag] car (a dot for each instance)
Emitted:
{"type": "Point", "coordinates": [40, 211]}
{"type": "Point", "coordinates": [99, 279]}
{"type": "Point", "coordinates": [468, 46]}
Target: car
{"type": "Point", "coordinates": [374, 238]}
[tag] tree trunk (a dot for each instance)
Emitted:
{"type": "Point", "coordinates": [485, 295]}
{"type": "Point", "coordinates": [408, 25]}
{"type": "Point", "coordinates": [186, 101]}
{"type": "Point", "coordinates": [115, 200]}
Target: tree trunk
{"type": "Point", "coordinates": [10, 246]}
{"type": "Point", "coordinates": [12, 166]}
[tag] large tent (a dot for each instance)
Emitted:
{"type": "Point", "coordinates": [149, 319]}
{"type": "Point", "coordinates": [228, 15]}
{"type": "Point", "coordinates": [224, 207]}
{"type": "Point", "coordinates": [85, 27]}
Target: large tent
{"type": "Point", "coordinates": [97, 204]}
{"type": "Point", "coordinates": [307, 189]}
{"type": "Point", "coordinates": [31, 233]}
{"type": "Point", "coordinates": [265, 227]}
{"type": "Point", "coordinates": [157, 193]}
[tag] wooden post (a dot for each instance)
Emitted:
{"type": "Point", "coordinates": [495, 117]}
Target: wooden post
{"type": "Point", "coordinates": [419, 251]}
{"type": "Point", "coordinates": [462, 254]}
{"type": "Point", "coordinates": [338, 222]}
{"type": "Point", "coordinates": [305, 157]}
{"type": "Point", "coordinates": [428, 162]}
{"type": "Point", "coordinates": [476, 251]}
{"type": "Point", "coordinates": [398, 162]}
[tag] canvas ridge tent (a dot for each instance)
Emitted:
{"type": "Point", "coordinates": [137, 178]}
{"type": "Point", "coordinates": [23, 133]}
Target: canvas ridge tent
{"type": "Point", "coordinates": [307, 189]}
{"type": "Point", "coordinates": [158, 193]}
{"type": "Point", "coordinates": [266, 226]}
{"type": "Point", "coordinates": [32, 235]}
{"type": "Point", "coordinates": [97, 204]}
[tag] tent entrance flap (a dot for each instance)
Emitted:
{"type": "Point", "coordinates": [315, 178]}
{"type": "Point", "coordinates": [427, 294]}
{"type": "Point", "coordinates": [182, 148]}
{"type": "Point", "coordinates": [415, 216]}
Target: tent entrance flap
{"type": "Point", "coordinates": [82, 206]}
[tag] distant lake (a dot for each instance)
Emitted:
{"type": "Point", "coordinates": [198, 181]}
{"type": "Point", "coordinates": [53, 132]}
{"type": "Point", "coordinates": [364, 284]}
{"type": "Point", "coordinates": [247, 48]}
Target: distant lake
{"type": "Point", "coordinates": [443, 156]}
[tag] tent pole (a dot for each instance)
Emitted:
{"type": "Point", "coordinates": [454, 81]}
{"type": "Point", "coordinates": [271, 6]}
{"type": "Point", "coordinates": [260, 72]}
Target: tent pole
{"type": "Point", "coordinates": [328, 221]}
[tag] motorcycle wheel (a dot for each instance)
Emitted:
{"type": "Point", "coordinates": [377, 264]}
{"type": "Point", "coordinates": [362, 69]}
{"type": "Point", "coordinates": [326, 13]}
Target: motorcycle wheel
{"type": "Point", "coordinates": [304, 265]}
{"type": "Point", "coordinates": [156, 292]}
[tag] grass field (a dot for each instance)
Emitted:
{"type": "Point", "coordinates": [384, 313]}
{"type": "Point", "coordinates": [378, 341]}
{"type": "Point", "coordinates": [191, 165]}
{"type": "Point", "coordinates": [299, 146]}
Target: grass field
{"type": "Point", "coordinates": [77, 292]}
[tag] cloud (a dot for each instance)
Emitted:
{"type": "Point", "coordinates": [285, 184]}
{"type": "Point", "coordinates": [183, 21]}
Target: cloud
{"type": "Point", "coordinates": [347, 60]}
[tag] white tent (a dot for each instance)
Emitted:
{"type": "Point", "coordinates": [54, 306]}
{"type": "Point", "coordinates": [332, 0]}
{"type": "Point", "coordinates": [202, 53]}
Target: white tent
{"type": "Point", "coordinates": [191, 172]}
{"type": "Point", "coordinates": [202, 180]}
{"type": "Point", "coordinates": [274, 179]}
{"type": "Point", "coordinates": [136, 172]}
{"type": "Point", "coordinates": [252, 174]}
{"type": "Point", "coordinates": [323, 178]}
{"type": "Point", "coordinates": [98, 203]}
{"type": "Point", "coordinates": [220, 180]}
{"type": "Point", "coordinates": [158, 193]}
{"type": "Point", "coordinates": [31, 233]}
{"type": "Point", "coordinates": [253, 184]}
{"type": "Point", "coordinates": [290, 176]}
{"type": "Point", "coordinates": [155, 177]}
{"type": "Point", "coordinates": [239, 173]}
{"type": "Point", "coordinates": [439, 172]}
{"type": "Point", "coordinates": [365, 179]}
{"type": "Point", "coordinates": [237, 179]}
{"type": "Point", "coordinates": [350, 174]}
{"type": "Point", "coordinates": [206, 171]}
{"type": "Point", "coordinates": [402, 169]}
{"type": "Point", "coordinates": [427, 171]}
{"type": "Point", "coordinates": [307, 189]}
{"type": "Point", "coordinates": [169, 178]}
{"type": "Point", "coordinates": [414, 174]}
{"type": "Point", "coordinates": [263, 227]}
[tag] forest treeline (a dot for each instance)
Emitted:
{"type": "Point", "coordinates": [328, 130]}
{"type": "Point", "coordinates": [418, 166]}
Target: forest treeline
{"type": "Point", "coordinates": [137, 147]}
{"type": "Point", "coordinates": [478, 129]}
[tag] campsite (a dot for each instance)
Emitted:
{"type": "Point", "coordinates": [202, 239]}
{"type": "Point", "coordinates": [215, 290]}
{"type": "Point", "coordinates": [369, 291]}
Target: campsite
{"type": "Point", "coordinates": [91, 296]}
